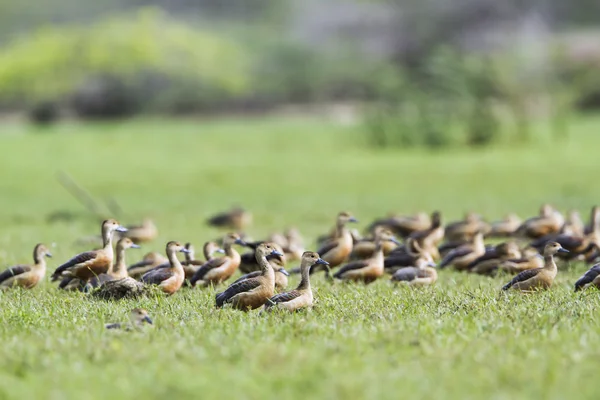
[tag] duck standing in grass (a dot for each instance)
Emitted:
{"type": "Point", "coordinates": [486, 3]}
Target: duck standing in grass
{"type": "Point", "coordinates": [539, 278]}
{"type": "Point", "coordinates": [252, 293]}
{"type": "Point", "coordinates": [220, 269]}
{"type": "Point", "coordinates": [26, 276]}
{"type": "Point", "coordinates": [302, 296]}
{"type": "Point", "coordinates": [337, 250]}
{"type": "Point", "coordinates": [137, 317]}
{"type": "Point", "coordinates": [119, 269]}
{"type": "Point", "coordinates": [368, 270]}
{"type": "Point", "coordinates": [168, 279]}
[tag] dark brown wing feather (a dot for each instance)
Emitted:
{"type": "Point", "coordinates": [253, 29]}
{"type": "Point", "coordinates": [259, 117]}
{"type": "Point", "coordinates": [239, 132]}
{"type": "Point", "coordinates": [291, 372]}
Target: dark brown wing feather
{"type": "Point", "coordinates": [400, 260]}
{"type": "Point", "coordinates": [453, 254]}
{"type": "Point", "coordinates": [14, 271]}
{"type": "Point", "coordinates": [236, 288]}
{"type": "Point", "coordinates": [248, 276]}
{"type": "Point", "coordinates": [406, 274]}
{"type": "Point", "coordinates": [78, 259]}
{"type": "Point", "coordinates": [157, 275]}
{"type": "Point", "coordinates": [521, 277]}
{"type": "Point", "coordinates": [209, 265]}
{"type": "Point", "coordinates": [588, 277]}
{"type": "Point", "coordinates": [282, 298]}
{"type": "Point", "coordinates": [350, 266]}
{"type": "Point", "coordinates": [327, 247]}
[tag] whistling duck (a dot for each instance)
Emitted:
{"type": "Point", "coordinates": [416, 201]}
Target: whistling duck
{"type": "Point", "coordinates": [589, 279]}
{"type": "Point", "coordinates": [337, 250]}
{"type": "Point", "coordinates": [507, 227]}
{"type": "Point", "coordinates": [573, 225]}
{"type": "Point", "coordinates": [539, 278]}
{"type": "Point", "coordinates": [368, 270]}
{"type": "Point", "coordinates": [168, 279]}
{"type": "Point", "coordinates": [464, 255]}
{"type": "Point", "coordinates": [220, 269]}
{"type": "Point", "coordinates": [302, 296]}
{"type": "Point", "coordinates": [26, 276]}
{"type": "Point", "coordinates": [281, 275]}
{"type": "Point", "coordinates": [527, 261]}
{"type": "Point", "coordinates": [403, 226]}
{"type": "Point", "coordinates": [191, 264]}
{"type": "Point", "coordinates": [366, 247]}
{"type": "Point", "coordinates": [467, 228]}
{"type": "Point", "coordinates": [150, 261]}
{"type": "Point", "coordinates": [119, 269]}
{"type": "Point", "coordinates": [406, 256]}
{"type": "Point", "coordinates": [548, 222]}
{"type": "Point", "coordinates": [252, 293]}
{"type": "Point", "coordinates": [577, 245]}
{"type": "Point", "coordinates": [138, 317]}
{"type": "Point", "coordinates": [248, 261]}
{"type": "Point", "coordinates": [92, 263]}
{"type": "Point", "coordinates": [430, 238]}
{"type": "Point", "coordinates": [487, 263]}
{"type": "Point", "coordinates": [424, 274]}
{"type": "Point", "coordinates": [145, 232]}
{"type": "Point", "coordinates": [290, 242]}
{"type": "Point", "coordinates": [236, 219]}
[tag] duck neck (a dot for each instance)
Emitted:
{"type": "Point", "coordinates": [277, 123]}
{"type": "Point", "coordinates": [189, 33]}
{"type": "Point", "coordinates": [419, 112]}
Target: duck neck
{"type": "Point", "coordinates": [378, 254]}
{"type": "Point", "coordinates": [173, 260]}
{"type": "Point", "coordinates": [265, 267]}
{"type": "Point", "coordinates": [228, 248]}
{"type": "Point", "coordinates": [107, 238]}
{"type": "Point", "coordinates": [305, 278]}
{"type": "Point", "coordinates": [549, 262]}
{"type": "Point", "coordinates": [478, 243]}
{"type": "Point", "coordinates": [120, 265]}
{"type": "Point", "coordinates": [340, 229]}
{"type": "Point", "coordinates": [39, 260]}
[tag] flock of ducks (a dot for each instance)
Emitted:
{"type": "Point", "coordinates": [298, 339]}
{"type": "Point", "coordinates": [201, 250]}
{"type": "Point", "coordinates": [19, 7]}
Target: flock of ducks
{"type": "Point", "coordinates": [410, 249]}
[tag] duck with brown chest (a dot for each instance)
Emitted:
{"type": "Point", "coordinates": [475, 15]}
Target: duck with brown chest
{"type": "Point", "coordinates": [220, 269]}
{"type": "Point", "coordinates": [119, 269]}
{"type": "Point", "coordinates": [92, 263]}
{"type": "Point", "coordinates": [302, 296]}
{"type": "Point", "coordinates": [254, 292]}
{"type": "Point", "coordinates": [368, 270]}
{"type": "Point", "coordinates": [539, 278]}
{"type": "Point", "coordinates": [336, 251]}
{"type": "Point", "coordinates": [26, 276]}
{"type": "Point", "coordinates": [169, 279]}
{"type": "Point", "coordinates": [191, 264]}
{"type": "Point", "coordinates": [462, 256]}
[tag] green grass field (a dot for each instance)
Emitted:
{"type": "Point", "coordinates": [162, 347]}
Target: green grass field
{"type": "Point", "coordinates": [457, 340]}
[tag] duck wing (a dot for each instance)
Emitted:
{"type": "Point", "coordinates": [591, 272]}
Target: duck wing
{"type": "Point", "coordinates": [283, 298]}
{"type": "Point", "coordinates": [236, 288]}
{"type": "Point", "coordinates": [157, 275]}
{"type": "Point", "coordinates": [209, 265]}
{"type": "Point", "coordinates": [248, 276]}
{"type": "Point", "coordinates": [14, 271]}
{"type": "Point", "coordinates": [351, 266]}
{"type": "Point", "coordinates": [327, 247]}
{"type": "Point", "coordinates": [588, 277]}
{"type": "Point", "coordinates": [406, 274]}
{"type": "Point", "coordinates": [453, 254]}
{"type": "Point", "coordinates": [77, 260]}
{"type": "Point", "coordinates": [522, 277]}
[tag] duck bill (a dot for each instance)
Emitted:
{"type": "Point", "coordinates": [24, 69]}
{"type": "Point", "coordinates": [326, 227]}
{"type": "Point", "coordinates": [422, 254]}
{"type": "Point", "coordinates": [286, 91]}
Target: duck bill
{"type": "Point", "coordinates": [184, 250]}
{"type": "Point", "coordinates": [283, 271]}
{"type": "Point", "coordinates": [239, 242]}
{"type": "Point", "coordinates": [396, 241]}
{"type": "Point", "coordinates": [320, 261]}
{"type": "Point", "coordinates": [563, 250]}
{"type": "Point", "coordinates": [49, 254]}
{"type": "Point", "coordinates": [121, 229]}
{"type": "Point", "coordinates": [136, 246]}
{"type": "Point", "coordinates": [221, 251]}
{"type": "Point", "coordinates": [148, 320]}
{"type": "Point", "coordinates": [276, 253]}
{"type": "Point", "coordinates": [352, 219]}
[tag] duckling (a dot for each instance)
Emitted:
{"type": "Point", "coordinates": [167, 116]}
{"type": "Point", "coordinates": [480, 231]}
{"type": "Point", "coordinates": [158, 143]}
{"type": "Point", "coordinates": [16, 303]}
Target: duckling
{"type": "Point", "coordinates": [168, 279]}
{"type": "Point", "coordinates": [336, 251]}
{"type": "Point", "coordinates": [119, 269]}
{"type": "Point", "coordinates": [573, 225]}
{"type": "Point", "coordinates": [589, 279]}
{"type": "Point", "coordinates": [26, 276]}
{"type": "Point", "coordinates": [462, 256]}
{"type": "Point", "coordinates": [526, 262]}
{"type": "Point", "coordinates": [403, 226]}
{"type": "Point", "coordinates": [191, 264]}
{"type": "Point", "coordinates": [366, 247]}
{"type": "Point", "coordinates": [406, 256]}
{"type": "Point", "coordinates": [487, 264]}
{"type": "Point", "coordinates": [302, 296]}
{"type": "Point", "coordinates": [138, 317]}
{"type": "Point", "coordinates": [236, 219]}
{"type": "Point", "coordinates": [507, 227]}
{"type": "Point", "coordinates": [467, 228]}
{"type": "Point", "coordinates": [281, 275]}
{"type": "Point", "coordinates": [150, 261]}
{"type": "Point", "coordinates": [252, 293]}
{"type": "Point", "coordinates": [91, 263]}
{"type": "Point", "coordinates": [220, 269]}
{"type": "Point", "coordinates": [548, 222]}
{"type": "Point", "coordinates": [424, 274]}
{"type": "Point", "coordinates": [539, 278]}
{"type": "Point", "coordinates": [146, 232]}
{"type": "Point", "coordinates": [368, 270]}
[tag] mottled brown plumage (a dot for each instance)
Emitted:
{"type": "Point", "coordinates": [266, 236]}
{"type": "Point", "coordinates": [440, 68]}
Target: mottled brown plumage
{"type": "Point", "coordinates": [539, 278]}
{"type": "Point", "coordinates": [337, 250]}
{"type": "Point", "coordinates": [169, 279]}
{"type": "Point", "coordinates": [119, 269]}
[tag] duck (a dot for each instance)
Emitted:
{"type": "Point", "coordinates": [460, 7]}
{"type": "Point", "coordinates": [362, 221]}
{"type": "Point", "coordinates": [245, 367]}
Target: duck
{"type": "Point", "coordinates": [462, 256]}
{"type": "Point", "coordinates": [248, 261]}
{"type": "Point", "coordinates": [281, 275]}
{"type": "Point", "coordinates": [430, 238]}
{"type": "Point", "coordinates": [149, 261]}
{"type": "Point", "coordinates": [236, 219]}
{"type": "Point", "coordinates": [137, 317]}
{"type": "Point", "coordinates": [573, 225]}
{"type": "Point", "coordinates": [406, 256]}
{"type": "Point", "coordinates": [218, 270]}
{"type": "Point", "coordinates": [119, 269]}
{"type": "Point", "coordinates": [506, 227]}
{"type": "Point", "coordinates": [365, 248]}
{"type": "Point", "coordinates": [539, 278]}
{"type": "Point", "coordinates": [26, 276]}
{"type": "Point", "coordinates": [403, 226]}
{"type": "Point", "coordinates": [423, 274]}
{"type": "Point", "coordinates": [290, 242]}
{"type": "Point", "coordinates": [369, 270]}
{"type": "Point", "coordinates": [548, 222]}
{"type": "Point", "coordinates": [169, 279]}
{"type": "Point", "coordinates": [145, 232]}
{"type": "Point", "coordinates": [252, 293]}
{"type": "Point", "coordinates": [487, 264]}
{"type": "Point", "coordinates": [517, 265]}
{"type": "Point", "coordinates": [86, 265]}
{"type": "Point", "coordinates": [577, 245]}
{"type": "Point", "coordinates": [589, 279]}
{"type": "Point", "coordinates": [191, 264]}
{"type": "Point", "coordinates": [302, 296]}
{"type": "Point", "coordinates": [467, 228]}
{"type": "Point", "coordinates": [337, 250]}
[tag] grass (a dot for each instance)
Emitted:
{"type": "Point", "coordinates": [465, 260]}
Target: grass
{"type": "Point", "coordinates": [457, 340]}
